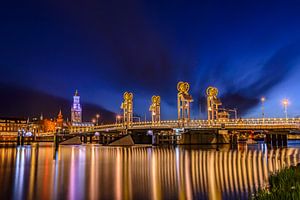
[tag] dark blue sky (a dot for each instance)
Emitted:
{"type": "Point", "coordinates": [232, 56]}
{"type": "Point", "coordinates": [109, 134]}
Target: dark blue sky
{"type": "Point", "coordinates": [247, 49]}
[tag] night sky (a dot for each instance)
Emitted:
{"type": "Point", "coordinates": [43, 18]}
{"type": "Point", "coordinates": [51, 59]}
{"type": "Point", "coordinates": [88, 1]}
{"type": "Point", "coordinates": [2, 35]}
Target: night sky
{"type": "Point", "coordinates": [247, 49]}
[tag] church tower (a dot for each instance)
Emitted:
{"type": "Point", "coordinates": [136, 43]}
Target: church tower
{"type": "Point", "coordinates": [76, 111]}
{"type": "Point", "coordinates": [59, 120]}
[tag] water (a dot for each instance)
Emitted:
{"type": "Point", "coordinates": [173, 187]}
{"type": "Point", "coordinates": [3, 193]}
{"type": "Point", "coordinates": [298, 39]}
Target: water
{"type": "Point", "coordinates": [97, 172]}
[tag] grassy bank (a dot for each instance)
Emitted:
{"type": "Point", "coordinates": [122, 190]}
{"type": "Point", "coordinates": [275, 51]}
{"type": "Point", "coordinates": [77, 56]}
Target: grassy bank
{"type": "Point", "coordinates": [283, 185]}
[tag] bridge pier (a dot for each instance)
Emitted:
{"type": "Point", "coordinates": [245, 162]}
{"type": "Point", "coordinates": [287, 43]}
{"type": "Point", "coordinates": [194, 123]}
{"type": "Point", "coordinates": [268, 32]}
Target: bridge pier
{"type": "Point", "coordinates": [268, 139]}
{"type": "Point", "coordinates": [84, 139]}
{"type": "Point", "coordinates": [274, 139]}
{"type": "Point", "coordinates": [279, 140]}
{"type": "Point", "coordinates": [233, 138]}
{"type": "Point", "coordinates": [284, 140]}
{"type": "Point", "coordinates": [56, 141]}
{"type": "Point", "coordinates": [22, 139]}
{"type": "Point", "coordinates": [212, 136]}
{"type": "Point", "coordinates": [19, 139]}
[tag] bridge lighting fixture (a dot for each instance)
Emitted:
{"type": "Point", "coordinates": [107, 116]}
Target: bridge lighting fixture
{"type": "Point", "coordinates": [263, 99]}
{"type": "Point", "coordinates": [97, 116]}
{"type": "Point", "coordinates": [285, 102]}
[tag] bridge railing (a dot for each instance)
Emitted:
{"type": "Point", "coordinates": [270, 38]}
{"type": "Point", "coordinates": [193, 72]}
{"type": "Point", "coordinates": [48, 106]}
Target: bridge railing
{"type": "Point", "coordinates": [250, 122]}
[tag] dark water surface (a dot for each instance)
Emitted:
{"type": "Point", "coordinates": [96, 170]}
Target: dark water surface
{"type": "Point", "coordinates": [97, 172]}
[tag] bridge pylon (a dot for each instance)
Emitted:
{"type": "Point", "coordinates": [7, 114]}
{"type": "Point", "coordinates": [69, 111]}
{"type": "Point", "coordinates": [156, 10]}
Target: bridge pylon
{"type": "Point", "coordinates": [183, 102]}
{"type": "Point", "coordinates": [213, 103]}
{"type": "Point", "coordinates": [127, 106]}
{"type": "Point", "coordinates": [155, 109]}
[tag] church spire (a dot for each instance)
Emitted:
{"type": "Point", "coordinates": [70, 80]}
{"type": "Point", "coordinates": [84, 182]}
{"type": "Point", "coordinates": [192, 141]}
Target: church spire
{"type": "Point", "coordinates": [60, 114]}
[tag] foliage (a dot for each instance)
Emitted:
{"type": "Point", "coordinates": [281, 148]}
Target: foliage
{"type": "Point", "coordinates": [283, 185]}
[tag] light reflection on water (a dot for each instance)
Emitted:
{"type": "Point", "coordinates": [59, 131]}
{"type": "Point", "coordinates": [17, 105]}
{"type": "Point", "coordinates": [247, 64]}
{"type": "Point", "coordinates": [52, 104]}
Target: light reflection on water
{"type": "Point", "coordinates": [97, 172]}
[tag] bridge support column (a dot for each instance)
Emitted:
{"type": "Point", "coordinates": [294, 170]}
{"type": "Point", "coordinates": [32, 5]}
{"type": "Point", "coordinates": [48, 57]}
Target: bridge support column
{"type": "Point", "coordinates": [268, 139]}
{"type": "Point", "coordinates": [103, 139]}
{"type": "Point", "coordinates": [279, 139]}
{"type": "Point", "coordinates": [284, 140]}
{"type": "Point", "coordinates": [18, 139]}
{"type": "Point", "coordinates": [234, 138]}
{"type": "Point", "coordinates": [274, 139]}
{"type": "Point", "coordinates": [22, 139]}
{"type": "Point", "coordinates": [217, 135]}
{"type": "Point", "coordinates": [155, 139]}
{"type": "Point", "coordinates": [91, 139]}
{"type": "Point", "coordinates": [56, 141]}
{"type": "Point", "coordinates": [85, 139]}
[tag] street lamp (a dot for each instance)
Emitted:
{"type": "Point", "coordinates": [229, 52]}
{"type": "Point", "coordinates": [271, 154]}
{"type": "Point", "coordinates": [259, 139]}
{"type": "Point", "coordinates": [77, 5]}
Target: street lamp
{"type": "Point", "coordinates": [263, 99]}
{"type": "Point", "coordinates": [118, 117]}
{"type": "Point", "coordinates": [97, 116]}
{"type": "Point", "coordinates": [94, 120]}
{"type": "Point", "coordinates": [285, 103]}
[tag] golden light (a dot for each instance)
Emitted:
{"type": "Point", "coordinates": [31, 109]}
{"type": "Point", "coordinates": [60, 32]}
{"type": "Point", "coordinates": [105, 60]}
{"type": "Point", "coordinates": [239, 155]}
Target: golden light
{"type": "Point", "coordinates": [285, 102]}
{"type": "Point", "coordinates": [263, 99]}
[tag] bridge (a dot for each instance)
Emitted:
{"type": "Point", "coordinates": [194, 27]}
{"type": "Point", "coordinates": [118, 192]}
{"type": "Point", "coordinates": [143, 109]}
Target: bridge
{"type": "Point", "coordinates": [219, 127]}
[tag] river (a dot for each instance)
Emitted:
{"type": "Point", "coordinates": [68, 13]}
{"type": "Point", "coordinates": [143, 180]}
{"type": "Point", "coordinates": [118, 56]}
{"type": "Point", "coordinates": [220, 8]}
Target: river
{"type": "Point", "coordinates": [139, 172]}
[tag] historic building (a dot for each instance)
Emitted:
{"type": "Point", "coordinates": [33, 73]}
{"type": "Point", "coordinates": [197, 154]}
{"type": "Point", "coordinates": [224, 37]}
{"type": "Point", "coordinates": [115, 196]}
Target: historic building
{"type": "Point", "coordinates": [76, 111]}
{"type": "Point", "coordinates": [59, 120]}
{"type": "Point", "coordinates": [11, 126]}
{"type": "Point", "coordinates": [76, 124]}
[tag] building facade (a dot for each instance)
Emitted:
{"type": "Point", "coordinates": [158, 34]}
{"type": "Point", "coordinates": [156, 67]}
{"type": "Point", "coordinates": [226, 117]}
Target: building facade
{"type": "Point", "coordinates": [11, 126]}
{"type": "Point", "coordinates": [76, 111]}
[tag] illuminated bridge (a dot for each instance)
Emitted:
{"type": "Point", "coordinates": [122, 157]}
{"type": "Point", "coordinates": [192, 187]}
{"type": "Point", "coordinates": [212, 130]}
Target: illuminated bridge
{"type": "Point", "coordinates": [219, 127]}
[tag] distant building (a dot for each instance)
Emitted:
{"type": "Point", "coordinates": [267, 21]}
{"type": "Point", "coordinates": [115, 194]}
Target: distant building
{"type": "Point", "coordinates": [76, 124]}
{"type": "Point", "coordinates": [42, 125]}
{"type": "Point", "coordinates": [11, 126]}
{"type": "Point", "coordinates": [76, 111]}
{"type": "Point", "coordinates": [60, 120]}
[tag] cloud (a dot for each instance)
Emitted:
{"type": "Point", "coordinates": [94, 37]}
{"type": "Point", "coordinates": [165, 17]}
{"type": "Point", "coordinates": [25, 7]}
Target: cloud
{"type": "Point", "coordinates": [274, 71]}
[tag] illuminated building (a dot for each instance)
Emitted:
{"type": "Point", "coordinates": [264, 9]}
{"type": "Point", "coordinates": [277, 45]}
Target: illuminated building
{"type": "Point", "coordinates": [76, 111]}
{"type": "Point", "coordinates": [76, 124]}
{"type": "Point", "coordinates": [10, 126]}
{"type": "Point", "coordinates": [49, 125]}
{"type": "Point", "coordinates": [59, 120]}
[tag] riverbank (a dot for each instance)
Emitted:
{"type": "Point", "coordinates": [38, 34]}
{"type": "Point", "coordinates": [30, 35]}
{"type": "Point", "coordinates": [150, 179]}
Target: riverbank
{"type": "Point", "coordinates": [283, 185]}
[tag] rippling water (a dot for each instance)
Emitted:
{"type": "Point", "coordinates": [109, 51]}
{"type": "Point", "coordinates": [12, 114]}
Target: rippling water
{"type": "Point", "coordinates": [97, 172]}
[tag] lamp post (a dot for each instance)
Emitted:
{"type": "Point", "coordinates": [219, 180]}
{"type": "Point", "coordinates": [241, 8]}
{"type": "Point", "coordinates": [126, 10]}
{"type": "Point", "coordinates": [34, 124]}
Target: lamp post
{"type": "Point", "coordinates": [263, 99]}
{"type": "Point", "coordinates": [97, 116]}
{"type": "Point", "coordinates": [285, 103]}
{"type": "Point", "coordinates": [118, 117]}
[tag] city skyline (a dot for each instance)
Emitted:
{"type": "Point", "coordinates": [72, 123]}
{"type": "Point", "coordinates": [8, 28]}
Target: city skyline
{"type": "Point", "coordinates": [248, 50]}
